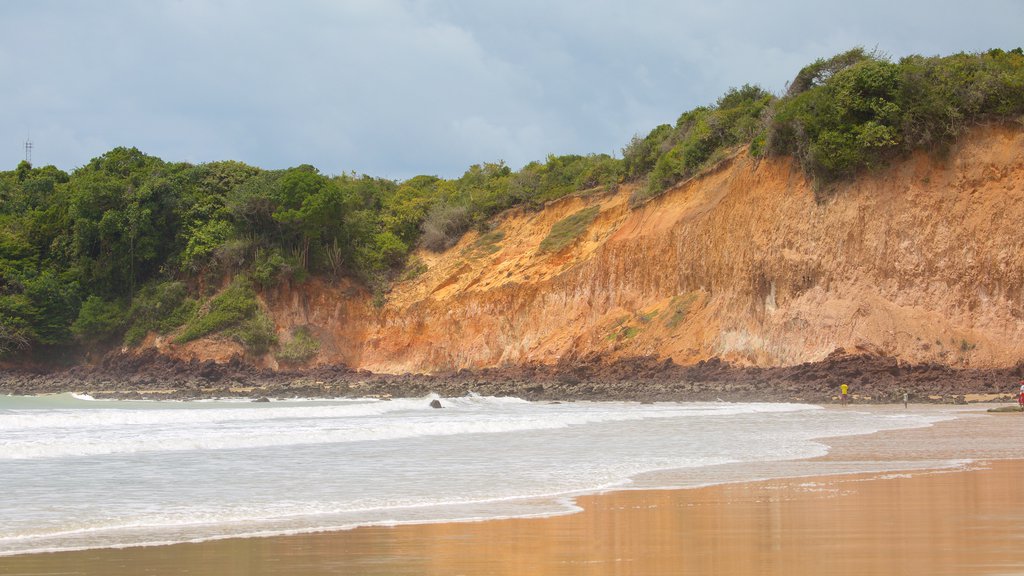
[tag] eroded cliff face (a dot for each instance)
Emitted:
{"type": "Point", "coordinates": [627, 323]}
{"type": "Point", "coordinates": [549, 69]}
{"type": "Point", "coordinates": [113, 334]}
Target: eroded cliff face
{"type": "Point", "coordinates": [922, 260]}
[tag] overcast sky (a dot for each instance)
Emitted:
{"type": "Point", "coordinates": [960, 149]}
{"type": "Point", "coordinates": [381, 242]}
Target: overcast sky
{"type": "Point", "coordinates": [396, 88]}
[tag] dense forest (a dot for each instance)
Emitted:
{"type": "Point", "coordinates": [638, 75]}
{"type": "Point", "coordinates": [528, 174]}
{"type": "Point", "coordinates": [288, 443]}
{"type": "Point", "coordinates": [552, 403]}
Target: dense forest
{"type": "Point", "coordinates": [129, 243]}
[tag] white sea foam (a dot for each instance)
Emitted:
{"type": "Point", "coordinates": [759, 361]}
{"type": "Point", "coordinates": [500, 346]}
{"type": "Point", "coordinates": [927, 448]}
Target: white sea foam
{"type": "Point", "coordinates": [97, 473]}
{"type": "Point", "coordinates": [62, 433]}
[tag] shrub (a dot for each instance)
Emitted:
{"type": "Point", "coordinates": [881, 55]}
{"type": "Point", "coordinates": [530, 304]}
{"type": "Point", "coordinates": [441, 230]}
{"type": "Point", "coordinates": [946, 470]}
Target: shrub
{"type": "Point", "coordinates": [818, 72]}
{"type": "Point", "coordinates": [601, 171]}
{"type": "Point", "coordinates": [941, 96]}
{"type": "Point", "coordinates": [702, 136]}
{"type": "Point", "coordinates": [256, 334]}
{"type": "Point", "coordinates": [845, 124]}
{"type": "Point", "coordinates": [444, 225]}
{"type": "Point", "coordinates": [272, 268]}
{"type": "Point", "coordinates": [159, 307]}
{"type": "Point", "coordinates": [227, 309]}
{"type": "Point", "coordinates": [15, 335]}
{"type": "Point", "coordinates": [413, 269]}
{"type": "Point", "coordinates": [203, 241]}
{"type": "Point", "coordinates": [640, 155]}
{"type": "Point", "coordinates": [568, 229]}
{"type": "Point", "coordinates": [524, 185]}
{"type": "Point", "coordinates": [560, 176]}
{"type": "Point", "coordinates": [858, 110]}
{"type": "Point", "coordinates": [98, 319]}
{"type": "Point", "coordinates": [301, 348]}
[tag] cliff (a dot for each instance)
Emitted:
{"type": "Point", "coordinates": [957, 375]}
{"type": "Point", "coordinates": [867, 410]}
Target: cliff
{"type": "Point", "coordinates": [922, 260]}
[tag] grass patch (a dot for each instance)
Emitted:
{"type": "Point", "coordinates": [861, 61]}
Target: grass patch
{"type": "Point", "coordinates": [414, 269]}
{"type": "Point", "coordinates": [485, 245]}
{"type": "Point", "coordinates": [568, 229]}
{"type": "Point", "coordinates": [227, 309]}
{"type": "Point", "coordinates": [678, 308]}
{"type": "Point", "coordinates": [646, 318]}
{"type": "Point", "coordinates": [622, 330]}
{"type": "Point", "coordinates": [300, 349]}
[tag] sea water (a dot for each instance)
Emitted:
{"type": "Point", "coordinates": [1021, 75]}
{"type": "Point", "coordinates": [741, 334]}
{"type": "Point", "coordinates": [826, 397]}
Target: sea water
{"type": "Point", "coordinates": [78, 473]}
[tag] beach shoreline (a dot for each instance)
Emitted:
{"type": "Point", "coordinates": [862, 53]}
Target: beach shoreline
{"type": "Point", "coordinates": [872, 379]}
{"type": "Point", "coordinates": [933, 517]}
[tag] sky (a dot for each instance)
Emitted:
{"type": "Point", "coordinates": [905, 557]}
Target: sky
{"type": "Point", "coordinates": [397, 88]}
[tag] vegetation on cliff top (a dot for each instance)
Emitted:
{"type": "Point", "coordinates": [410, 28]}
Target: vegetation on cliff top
{"type": "Point", "coordinates": [130, 243]}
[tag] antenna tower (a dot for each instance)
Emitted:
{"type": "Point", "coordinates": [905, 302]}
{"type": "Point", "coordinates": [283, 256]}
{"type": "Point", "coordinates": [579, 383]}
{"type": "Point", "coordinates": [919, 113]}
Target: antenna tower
{"type": "Point", "coordinates": [28, 150]}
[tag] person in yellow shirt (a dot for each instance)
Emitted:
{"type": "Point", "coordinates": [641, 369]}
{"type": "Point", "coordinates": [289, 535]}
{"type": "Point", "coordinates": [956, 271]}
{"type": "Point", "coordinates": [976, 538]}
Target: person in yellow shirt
{"type": "Point", "coordinates": [844, 391]}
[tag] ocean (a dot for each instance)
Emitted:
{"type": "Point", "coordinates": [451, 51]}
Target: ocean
{"type": "Point", "coordinates": [79, 473]}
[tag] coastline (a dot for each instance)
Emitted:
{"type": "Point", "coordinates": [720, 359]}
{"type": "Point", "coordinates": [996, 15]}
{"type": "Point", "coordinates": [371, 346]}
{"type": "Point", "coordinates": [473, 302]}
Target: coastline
{"type": "Point", "coordinates": [873, 379]}
{"type": "Point", "coordinates": [951, 521]}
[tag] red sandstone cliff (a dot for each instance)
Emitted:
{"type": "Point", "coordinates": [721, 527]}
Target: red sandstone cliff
{"type": "Point", "coordinates": [922, 260]}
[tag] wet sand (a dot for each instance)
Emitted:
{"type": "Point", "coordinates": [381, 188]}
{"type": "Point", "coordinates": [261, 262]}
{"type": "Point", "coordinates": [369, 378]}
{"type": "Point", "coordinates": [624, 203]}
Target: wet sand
{"type": "Point", "coordinates": [943, 522]}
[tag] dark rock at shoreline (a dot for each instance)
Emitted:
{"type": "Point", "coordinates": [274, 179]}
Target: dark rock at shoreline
{"type": "Point", "coordinates": [872, 378]}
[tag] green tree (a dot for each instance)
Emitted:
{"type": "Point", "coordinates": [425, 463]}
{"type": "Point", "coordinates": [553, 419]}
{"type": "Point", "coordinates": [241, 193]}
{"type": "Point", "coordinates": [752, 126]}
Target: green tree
{"type": "Point", "coordinates": [123, 221]}
{"type": "Point", "coordinates": [99, 320]}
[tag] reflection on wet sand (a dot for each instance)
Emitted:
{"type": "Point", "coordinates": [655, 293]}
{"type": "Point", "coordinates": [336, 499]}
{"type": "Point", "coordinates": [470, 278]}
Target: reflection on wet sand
{"type": "Point", "coordinates": [940, 523]}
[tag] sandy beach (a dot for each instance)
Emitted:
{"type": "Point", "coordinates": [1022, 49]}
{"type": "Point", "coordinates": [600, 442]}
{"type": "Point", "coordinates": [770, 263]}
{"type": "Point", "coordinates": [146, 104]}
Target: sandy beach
{"type": "Point", "coordinates": [965, 520]}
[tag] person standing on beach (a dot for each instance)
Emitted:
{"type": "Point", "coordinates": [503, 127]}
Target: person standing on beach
{"type": "Point", "coordinates": [845, 389]}
{"type": "Point", "coordinates": [1020, 396]}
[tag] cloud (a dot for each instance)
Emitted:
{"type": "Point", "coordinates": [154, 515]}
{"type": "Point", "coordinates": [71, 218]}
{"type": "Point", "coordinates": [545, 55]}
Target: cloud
{"type": "Point", "coordinates": [397, 88]}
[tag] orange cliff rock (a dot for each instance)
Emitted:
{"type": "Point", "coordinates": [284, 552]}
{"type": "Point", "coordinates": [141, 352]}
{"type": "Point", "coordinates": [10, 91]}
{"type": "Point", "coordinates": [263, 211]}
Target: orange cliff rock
{"type": "Point", "coordinates": [922, 260]}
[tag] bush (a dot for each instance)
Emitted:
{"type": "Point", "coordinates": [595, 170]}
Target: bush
{"type": "Point", "coordinates": [232, 255]}
{"type": "Point", "coordinates": [640, 155]}
{"type": "Point", "coordinates": [53, 306]}
{"type": "Point", "coordinates": [858, 110]}
{"type": "Point", "coordinates": [702, 137]}
{"type": "Point", "coordinates": [443, 226]}
{"type": "Point", "coordinates": [818, 72]}
{"type": "Point", "coordinates": [272, 268]}
{"type": "Point", "coordinates": [600, 170]}
{"type": "Point", "coordinates": [941, 96]}
{"type": "Point", "coordinates": [300, 349]}
{"type": "Point", "coordinates": [98, 319]}
{"type": "Point", "coordinates": [159, 307]}
{"type": "Point", "coordinates": [414, 268]}
{"type": "Point", "coordinates": [203, 243]}
{"type": "Point", "coordinates": [229, 308]}
{"type": "Point", "coordinates": [15, 335]}
{"type": "Point", "coordinates": [568, 229]}
{"type": "Point", "coordinates": [256, 334]}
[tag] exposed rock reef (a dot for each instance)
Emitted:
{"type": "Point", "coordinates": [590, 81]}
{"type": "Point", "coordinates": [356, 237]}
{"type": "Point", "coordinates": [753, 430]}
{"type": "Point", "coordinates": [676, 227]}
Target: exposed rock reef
{"type": "Point", "coordinates": [872, 379]}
